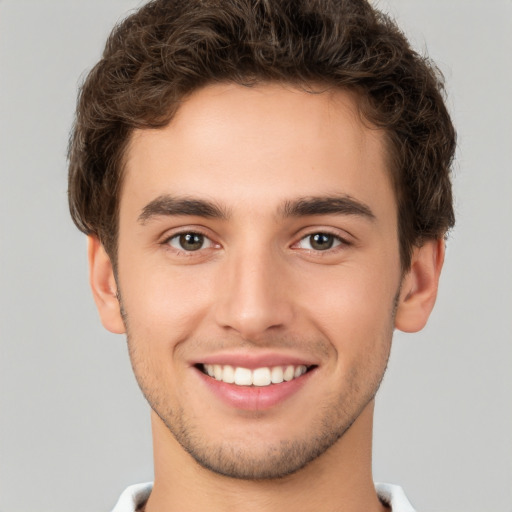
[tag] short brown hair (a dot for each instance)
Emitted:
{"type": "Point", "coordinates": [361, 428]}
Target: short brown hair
{"type": "Point", "coordinates": [170, 48]}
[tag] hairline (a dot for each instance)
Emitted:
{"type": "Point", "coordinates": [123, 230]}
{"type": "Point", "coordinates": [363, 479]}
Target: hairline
{"type": "Point", "coordinates": [358, 96]}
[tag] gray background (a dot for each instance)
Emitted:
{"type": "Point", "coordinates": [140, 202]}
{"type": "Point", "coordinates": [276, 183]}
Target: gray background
{"type": "Point", "coordinates": [74, 430]}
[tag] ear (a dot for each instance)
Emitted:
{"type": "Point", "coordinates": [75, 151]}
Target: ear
{"type": "Point", "coordinates": [419, 286]}
{"type": "Point", "coordinates": [104, 287]}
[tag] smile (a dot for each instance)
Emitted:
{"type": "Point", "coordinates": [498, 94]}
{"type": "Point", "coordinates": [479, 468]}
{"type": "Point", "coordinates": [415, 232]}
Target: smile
{"type": "Point", "coordinates": [264, 376]}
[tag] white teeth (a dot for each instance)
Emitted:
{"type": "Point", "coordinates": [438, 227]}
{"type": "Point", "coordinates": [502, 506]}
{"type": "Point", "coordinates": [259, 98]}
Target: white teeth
{"type": "Point", "coordinates": [300, 370]}
{"type": "Point", "coordinates": [261, 377]}
{"type": "Point", "coordinates": [276, 375]}
{"type": "Point", "coordinates": [264, 376]}
{"type": "Point", "coordinates": [243, 377]}
{"type": "Point", "coordinates": [289, 373]}
{"type": "Point", "coordinates": [228, 375]}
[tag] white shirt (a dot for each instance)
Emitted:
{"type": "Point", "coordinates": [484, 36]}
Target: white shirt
{"type": "Point", "coordinates": [135, 495]}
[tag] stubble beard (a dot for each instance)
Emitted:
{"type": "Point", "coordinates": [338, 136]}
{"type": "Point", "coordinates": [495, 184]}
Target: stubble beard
{"type": "Point", "coordinates": [278, 460]}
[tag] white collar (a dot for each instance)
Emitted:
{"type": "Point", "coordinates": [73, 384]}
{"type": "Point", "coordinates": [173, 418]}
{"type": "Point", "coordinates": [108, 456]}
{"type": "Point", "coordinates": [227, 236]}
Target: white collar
{"type": "Point", "coordinates": [136, 495]}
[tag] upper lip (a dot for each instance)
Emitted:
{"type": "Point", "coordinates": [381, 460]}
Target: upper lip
{"type": "Point", "coordinates": [254, 360]}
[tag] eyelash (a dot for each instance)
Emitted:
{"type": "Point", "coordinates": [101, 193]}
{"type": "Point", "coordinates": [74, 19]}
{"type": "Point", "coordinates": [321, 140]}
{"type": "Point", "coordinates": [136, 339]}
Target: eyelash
{"type": "Point", "coordinates": [337, 242]}
{"type": "Point", "coordinates": [182, 251]}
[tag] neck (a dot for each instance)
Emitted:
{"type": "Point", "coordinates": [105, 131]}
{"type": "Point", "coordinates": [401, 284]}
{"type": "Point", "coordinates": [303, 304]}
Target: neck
{"type": "Point", "coordinates": [340, 479]}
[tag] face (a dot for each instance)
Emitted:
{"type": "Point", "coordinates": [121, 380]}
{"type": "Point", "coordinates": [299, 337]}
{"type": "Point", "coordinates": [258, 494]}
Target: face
{"type": "Point", "coordinates": [258, 272]}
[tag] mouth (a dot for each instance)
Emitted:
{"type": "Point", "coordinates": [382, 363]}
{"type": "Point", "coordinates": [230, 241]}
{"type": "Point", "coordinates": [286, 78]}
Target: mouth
{"type": "Point", "coordinates": [257, 377]}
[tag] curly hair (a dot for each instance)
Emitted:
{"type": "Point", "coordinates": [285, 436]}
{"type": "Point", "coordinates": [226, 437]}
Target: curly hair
{"type": "Point", "coordinates": [170, 48]}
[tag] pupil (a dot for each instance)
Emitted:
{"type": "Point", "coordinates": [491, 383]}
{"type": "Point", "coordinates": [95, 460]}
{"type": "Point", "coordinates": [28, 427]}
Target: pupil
{"type": "Point", "coordinates": [321, 241]}
{"type": "Point", "coordinates": [191, 241]}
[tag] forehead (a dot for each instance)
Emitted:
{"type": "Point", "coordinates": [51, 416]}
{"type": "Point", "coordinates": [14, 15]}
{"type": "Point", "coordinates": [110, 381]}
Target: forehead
{"type": "Point", "coordinates": [241, 145]}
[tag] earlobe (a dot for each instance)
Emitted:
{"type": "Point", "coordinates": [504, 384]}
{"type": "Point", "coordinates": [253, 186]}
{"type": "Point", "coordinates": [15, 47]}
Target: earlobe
{"type": "Point", "coordinates": [419, 286]}
{"type": "Point", "coordinates": [104, 287]}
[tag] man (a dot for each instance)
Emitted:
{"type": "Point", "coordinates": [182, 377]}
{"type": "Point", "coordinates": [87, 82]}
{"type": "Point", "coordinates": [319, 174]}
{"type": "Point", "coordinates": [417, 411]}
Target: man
{"type": "Point", "coordinates": [265, 187]}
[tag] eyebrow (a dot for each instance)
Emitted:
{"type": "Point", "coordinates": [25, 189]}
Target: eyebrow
{"type": "Point", "coordinates": [326, 205]}
{"type": "Point", "coordinates": [166, 205]}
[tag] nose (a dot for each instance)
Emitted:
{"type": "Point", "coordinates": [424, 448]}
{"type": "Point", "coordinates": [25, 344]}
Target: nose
{"type": "Point", "coordinates": [254, 295]}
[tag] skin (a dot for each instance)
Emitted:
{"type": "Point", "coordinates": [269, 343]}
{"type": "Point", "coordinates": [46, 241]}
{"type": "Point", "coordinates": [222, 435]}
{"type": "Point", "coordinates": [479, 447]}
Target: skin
{"type": "Point", "coordinates": [257, 286]}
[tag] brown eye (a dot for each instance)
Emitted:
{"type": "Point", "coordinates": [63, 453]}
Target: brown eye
{"type": "Point", "coordinates": [319, 242]}
{"type": "Point", "coordinates": [189, 241]}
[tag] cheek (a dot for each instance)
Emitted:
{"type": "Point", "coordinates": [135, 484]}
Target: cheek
{"type": "Point", "coordinates": [354, 309]}
{"type": "Point", "coordinates": [163, 306]}
{"type": "Point", "coordinates": [162, 310]}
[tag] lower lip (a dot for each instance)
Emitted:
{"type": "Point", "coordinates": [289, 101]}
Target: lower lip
{"type": "Point", "coordinates": [254, 398]}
